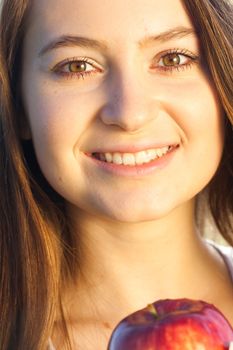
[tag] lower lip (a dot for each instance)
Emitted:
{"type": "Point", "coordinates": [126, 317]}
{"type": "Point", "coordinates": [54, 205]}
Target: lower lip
{"type": "Point", "coordinates": [135, 170]}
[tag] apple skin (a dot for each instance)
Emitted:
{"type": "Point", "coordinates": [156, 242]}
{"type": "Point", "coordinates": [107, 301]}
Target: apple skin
{"type": "Point", "coordinates": [173, 324]}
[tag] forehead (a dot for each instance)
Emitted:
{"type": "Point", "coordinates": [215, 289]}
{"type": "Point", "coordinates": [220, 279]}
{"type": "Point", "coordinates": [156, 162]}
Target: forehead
{"type": "Point", "coordinates": [105, 19]}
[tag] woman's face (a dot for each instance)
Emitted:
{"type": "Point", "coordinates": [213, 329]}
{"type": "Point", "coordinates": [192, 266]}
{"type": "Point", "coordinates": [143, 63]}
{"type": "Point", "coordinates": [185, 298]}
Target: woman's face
{"type": "Point", "coordinates": [103, 83]}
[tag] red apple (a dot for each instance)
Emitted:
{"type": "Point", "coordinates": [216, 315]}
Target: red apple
{"type": "Point", "coordinates": [178, 324]}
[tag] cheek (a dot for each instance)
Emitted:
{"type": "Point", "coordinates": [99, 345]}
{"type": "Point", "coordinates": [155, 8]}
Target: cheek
{"type": "Point", "coordinates": [198, 118]}
{"type": "Point", "coordinates": [57, 117]}
{"type": "Point", "coordinates": [196, 109]}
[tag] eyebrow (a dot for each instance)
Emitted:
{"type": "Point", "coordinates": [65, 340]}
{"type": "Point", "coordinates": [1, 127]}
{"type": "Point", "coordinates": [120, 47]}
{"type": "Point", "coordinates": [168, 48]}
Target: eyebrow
{"type": "Point", "coordinates": [177, 32]}
{"type": "Point", "coordinates": [100, 45]}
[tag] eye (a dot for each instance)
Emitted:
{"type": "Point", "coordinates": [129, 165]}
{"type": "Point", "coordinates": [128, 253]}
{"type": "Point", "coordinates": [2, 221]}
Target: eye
{"type": "Point", "coordinates": [173, 59]}
{"type": "Point", "coordinates": [79, 68]}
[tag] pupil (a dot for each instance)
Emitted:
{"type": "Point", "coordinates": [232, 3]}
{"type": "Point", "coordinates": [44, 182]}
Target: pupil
{"type": "Point", "coordinates": [77, 66]}
{"type": "Point", "coordinates": [171, 59]}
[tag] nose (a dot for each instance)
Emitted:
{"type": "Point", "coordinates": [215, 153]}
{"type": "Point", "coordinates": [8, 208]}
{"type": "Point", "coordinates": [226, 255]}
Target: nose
{"type": "Point", "coordinates": [130, 106]}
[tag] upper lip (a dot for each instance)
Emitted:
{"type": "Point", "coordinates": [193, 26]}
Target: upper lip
{"type": "Point", "coordinates": [132, 148]}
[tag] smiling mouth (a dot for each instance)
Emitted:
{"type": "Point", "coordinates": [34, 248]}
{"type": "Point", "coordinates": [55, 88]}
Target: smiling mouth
{"type": "Point", "coordinates": [132, 159]}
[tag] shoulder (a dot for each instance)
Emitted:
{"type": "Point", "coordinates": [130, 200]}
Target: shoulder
{"type": "Point", "coordinates": [223, 249]}
{"type": "Point", "coordinates": [226, 252]}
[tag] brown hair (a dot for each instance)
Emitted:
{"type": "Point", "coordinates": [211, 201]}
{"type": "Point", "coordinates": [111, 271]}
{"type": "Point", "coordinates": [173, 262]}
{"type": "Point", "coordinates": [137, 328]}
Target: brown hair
{"type": "Point", "coordinates": [213, 22]}
{"type": "Point", "coordinates": [33, 228]}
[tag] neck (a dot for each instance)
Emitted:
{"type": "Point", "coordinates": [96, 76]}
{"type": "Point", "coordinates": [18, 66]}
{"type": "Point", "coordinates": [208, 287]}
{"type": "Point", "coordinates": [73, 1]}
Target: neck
{"type": "Point", "coordinates": [132, 264]}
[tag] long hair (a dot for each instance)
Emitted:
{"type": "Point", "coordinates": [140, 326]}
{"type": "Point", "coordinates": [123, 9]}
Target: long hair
{"type": "Point", "coordinates": [213, 22]}
{"type": "Point", "coordinates": [34, 234]}
{"type": "Point", "coordinates": [30, 249]}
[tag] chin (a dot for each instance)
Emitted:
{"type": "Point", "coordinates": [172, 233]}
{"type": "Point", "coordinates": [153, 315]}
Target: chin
{"type": "Point", "coordinates": [136, 214]}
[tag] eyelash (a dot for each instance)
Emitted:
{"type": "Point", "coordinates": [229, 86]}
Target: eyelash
{"type": "Point", "coordinates": [192, 59]}
{"type": "Point", "coordinates": [58, 68]}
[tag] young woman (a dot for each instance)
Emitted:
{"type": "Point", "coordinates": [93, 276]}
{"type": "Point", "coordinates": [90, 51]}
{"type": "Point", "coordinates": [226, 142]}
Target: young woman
{"type": "Point", "coordinates": [116, 130]}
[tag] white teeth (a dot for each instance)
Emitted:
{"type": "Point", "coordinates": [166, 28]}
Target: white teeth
{"type": "Point", "coordinates": [134, 158]}
{"type": "Point", "coordinates": [159, 153]}
{"type": "Point", "coordinates": [128, 159]}
{"type": "Point", "coordinates": [140, 157]}
{"type": "Point", "coordinates": [151, 153]}
{"type": "Point", "coordinates": [108, 157]}
{"type": "Point", "coordinates": [117, 158]}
